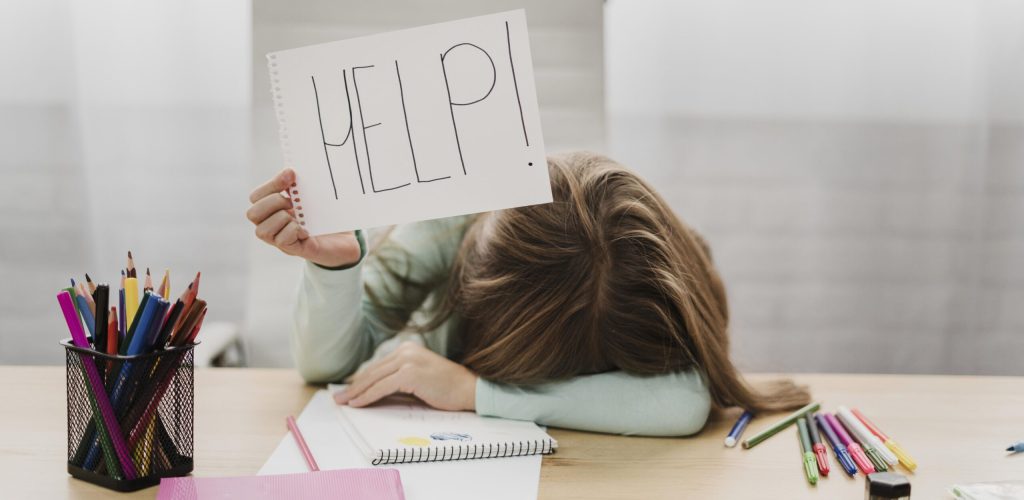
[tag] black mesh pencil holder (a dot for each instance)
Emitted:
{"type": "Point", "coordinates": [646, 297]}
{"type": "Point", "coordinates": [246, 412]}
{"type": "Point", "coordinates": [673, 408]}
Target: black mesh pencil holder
{"type": "Point", "coordinates": [144, 430]}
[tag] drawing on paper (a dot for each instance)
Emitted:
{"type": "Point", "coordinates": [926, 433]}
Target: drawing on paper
{"type": "Point", "coordinates": [414, 441]}
{"type": "Point", "coordinates": [450, 436]}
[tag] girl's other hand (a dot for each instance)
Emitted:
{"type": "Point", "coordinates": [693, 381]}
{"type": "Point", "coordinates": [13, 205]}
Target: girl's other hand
{"type": "Point", "coordinates": [273, 214]}
{"type": "Point", "coordinates": [416, 370]}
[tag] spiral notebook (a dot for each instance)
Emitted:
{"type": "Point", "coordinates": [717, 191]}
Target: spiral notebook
{"type": "Point", "coordinates": [401, 430]}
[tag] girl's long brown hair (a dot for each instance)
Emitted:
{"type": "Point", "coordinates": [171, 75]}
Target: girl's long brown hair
{"type": "Point", "coordinates": [606, 277]}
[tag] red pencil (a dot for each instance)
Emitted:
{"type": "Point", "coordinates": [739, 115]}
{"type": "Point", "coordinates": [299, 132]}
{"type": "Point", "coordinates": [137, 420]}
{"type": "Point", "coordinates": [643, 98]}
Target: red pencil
{"type": "Point", "coordinates": [195, 331]}
{"type": "Point", "coordinates": [112, 332]}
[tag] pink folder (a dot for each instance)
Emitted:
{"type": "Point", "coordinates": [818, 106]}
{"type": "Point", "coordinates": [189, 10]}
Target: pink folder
{"type": "Point", "coordinates": [347, 484]}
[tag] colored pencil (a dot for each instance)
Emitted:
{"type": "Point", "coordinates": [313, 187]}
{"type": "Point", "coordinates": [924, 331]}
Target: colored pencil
{"type": "Point", "coordinates": [83, 292]}
{"type": "Point", "coordinates": [122, 319]}
{"type": "Point", "coordinates": [165, 285]}
{"type": "Point", "coordinates": [778, 426]}
{"type": "Point", "coordinates": [78, 293]}
{"type": "Point", "coordinates": [308, 455]}
{"type": "Point", "coordinates": [131, 292]}
{"type": "Point", "coordinates": [112, 332]}
{"type": "Point", "coordinates": [180, 336]}
{"type": "Point", "coordinates": [195, 330]}
{"type": "Point", "coordinates": [101, 296]}
{"type": "Point", "coordinates": [129, 398]}
{"type": "Point", "coordinates": [111, 437]}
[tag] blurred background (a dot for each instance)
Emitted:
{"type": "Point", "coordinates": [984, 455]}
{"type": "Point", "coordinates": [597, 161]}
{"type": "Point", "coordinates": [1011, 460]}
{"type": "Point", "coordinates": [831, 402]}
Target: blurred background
{"type": "Point", "coordinates": [857, 166]}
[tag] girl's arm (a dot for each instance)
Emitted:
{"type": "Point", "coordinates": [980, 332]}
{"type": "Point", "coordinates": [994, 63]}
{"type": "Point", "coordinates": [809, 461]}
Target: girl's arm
{"type": "Point", "coordinates": [331, 337]}
{"type": "Point", "coordinates": [337, 326]}
{"type": "Point", "coordinates": [675, 404]}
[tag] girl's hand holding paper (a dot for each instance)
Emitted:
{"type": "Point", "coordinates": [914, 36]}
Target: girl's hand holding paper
{"type": "Point", "coordinates": [273, 213]}
{"type": "Point", "coordinates": [415, 370]}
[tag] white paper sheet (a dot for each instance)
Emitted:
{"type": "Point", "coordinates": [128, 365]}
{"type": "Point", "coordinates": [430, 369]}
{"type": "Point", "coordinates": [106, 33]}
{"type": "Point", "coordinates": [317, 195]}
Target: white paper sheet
{"type": "Point", "coordinates": [513, 478]}
{"type": "Point", "coordinates": [410, 125]}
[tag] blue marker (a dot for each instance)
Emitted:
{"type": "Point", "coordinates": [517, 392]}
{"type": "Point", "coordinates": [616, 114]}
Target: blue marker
{"type": "Point", "coordinates": [1016, 448]}
{"type": "Point", "coordinates": [737, 429]}
{"type": "Point", "coordinates": [837, 446]}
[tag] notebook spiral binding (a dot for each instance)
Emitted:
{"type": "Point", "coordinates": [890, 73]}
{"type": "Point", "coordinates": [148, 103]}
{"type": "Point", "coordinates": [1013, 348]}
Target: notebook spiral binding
{"type": "Point", "coordinates": [282, 130]}
{"type": "Point", "coordinates": [463, 452]}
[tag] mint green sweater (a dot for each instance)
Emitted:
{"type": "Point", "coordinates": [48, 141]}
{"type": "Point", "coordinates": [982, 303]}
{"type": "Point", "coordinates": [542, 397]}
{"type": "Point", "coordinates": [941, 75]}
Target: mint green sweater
{"type": "Point", "coordinates": [337, 328]}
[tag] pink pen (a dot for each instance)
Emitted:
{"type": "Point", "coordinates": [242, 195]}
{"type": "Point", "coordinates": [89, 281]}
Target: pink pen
{"type": "Point", "coordinates": [856, 453]}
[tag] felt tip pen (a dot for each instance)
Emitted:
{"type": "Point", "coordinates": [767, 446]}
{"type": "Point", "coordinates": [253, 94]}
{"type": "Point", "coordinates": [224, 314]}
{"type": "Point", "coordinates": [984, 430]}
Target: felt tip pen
{"type": "Point", "coordinates": [896, 449]}
{"type": "Point", "coordinates": [810, 462]}
{"type": "Point", "coordinates": [864, 434]}
{"type": "Point", "coordinates": [820, 453]}
{"type": "Point", "coordinates": [737, 429]}
{"type": "Point", "coordinates": [869, 451]}
{"type": "Point", "coordinates": [838, 447]}
{"type": "Point", "coordinates": [856, 453]}
{"type": "Point", "coordinates": [1016, 448]}
{"type": "Point", "coordinates": [778, 426]}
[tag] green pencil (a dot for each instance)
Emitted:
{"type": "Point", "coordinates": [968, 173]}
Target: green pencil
{"type": "Point", "coordinates": [778, 426]}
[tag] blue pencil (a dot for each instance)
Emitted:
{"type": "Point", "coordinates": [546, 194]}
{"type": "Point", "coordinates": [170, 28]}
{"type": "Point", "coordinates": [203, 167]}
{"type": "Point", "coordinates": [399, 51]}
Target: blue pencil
{"type": "Point", "coordinates": [83, 309]}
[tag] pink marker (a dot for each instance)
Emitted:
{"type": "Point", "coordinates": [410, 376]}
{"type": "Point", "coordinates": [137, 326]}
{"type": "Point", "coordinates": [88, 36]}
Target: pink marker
{"type": "Point", "coordinates": [856, 452]}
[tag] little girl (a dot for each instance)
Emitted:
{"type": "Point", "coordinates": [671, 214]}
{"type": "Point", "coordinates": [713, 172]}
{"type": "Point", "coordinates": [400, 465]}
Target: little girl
{"type": "Point", "coordinates": [600, 311]}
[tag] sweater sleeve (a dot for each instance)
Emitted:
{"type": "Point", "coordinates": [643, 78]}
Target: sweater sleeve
{"type": "Point", "coordinates": [675, 404]}
{"type": "Point", "coordinates": [337, 325]}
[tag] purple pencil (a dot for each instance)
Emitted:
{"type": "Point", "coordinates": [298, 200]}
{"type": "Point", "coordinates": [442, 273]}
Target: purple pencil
{"type": "Point", "coordinates": [98, 398]}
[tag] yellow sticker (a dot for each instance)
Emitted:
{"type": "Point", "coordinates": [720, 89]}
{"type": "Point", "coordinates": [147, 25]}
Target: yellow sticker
{"type": "Point", "coordinates": [414, 441]}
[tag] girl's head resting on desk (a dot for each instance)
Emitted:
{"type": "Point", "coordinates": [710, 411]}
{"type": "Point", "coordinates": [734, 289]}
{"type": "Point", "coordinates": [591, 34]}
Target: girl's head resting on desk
{"type": "Point", "coordinates": [606, 277]}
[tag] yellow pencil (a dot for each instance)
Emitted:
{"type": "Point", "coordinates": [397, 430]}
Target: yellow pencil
{"type": "Point", "coordinates": [165, 285]}
{"type": "Point", "coordinates": [131, 292]}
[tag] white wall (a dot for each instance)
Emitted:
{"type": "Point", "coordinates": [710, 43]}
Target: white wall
{"type": "Point", "coordinates": [910, 60]}
{"type": "Point", "coordinates": [123, 125]}
{"type": "Point", "coordinates": [858, 168]}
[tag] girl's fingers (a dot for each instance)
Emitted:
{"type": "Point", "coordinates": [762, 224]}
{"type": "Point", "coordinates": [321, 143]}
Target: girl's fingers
{"type": "Point", "coordinates": [363, 381]}
{"type": "Point", "coordinates": [382, 389]}
{"type": "Point", "coordinates": [280, 182]}
{"type": "Point", "coordinates": [268, 229]}
{"type": "Point", "coordinates": [288, 236]}
{"type": "Point", "coordinates": [267, 206]}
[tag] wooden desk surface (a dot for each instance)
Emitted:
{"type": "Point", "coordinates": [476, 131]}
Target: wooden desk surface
{"type": "Point", "coordinates": [956, 428]}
